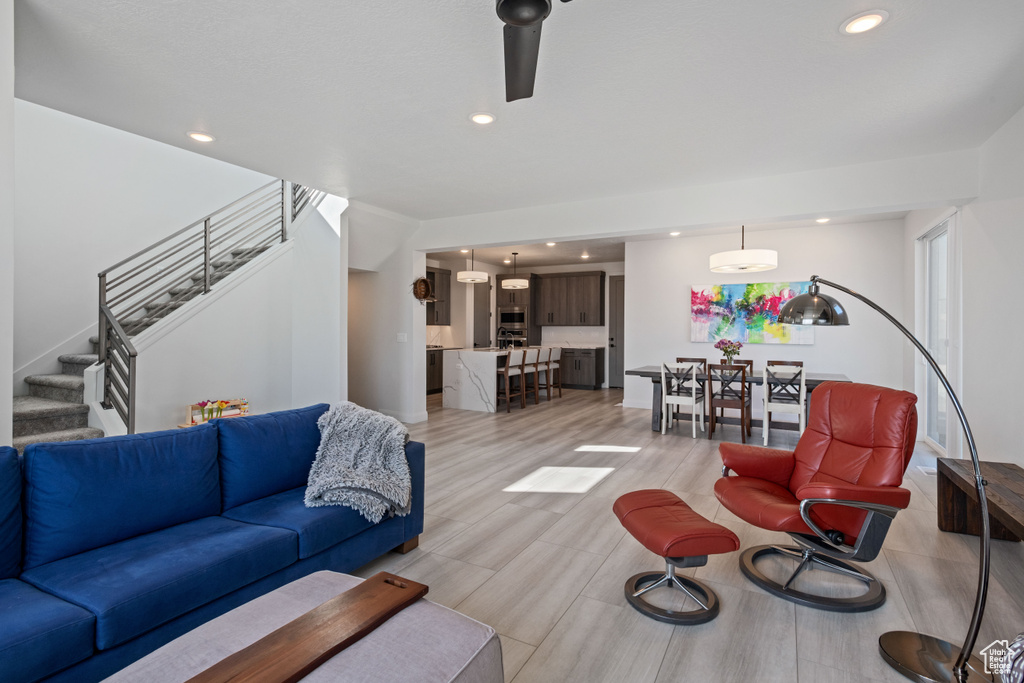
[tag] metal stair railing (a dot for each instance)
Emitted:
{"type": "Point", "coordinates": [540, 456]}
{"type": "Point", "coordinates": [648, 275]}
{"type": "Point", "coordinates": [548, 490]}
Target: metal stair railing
{"type": "Point", "coordinates": [141, 289]}
{"type": "Point", "coordinates": [302, 196]}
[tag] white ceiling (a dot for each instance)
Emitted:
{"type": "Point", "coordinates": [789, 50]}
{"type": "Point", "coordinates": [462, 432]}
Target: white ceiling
{"type": "Point", "coordinates": [613, 249]}
{"type": "Point", "coordinates": [370, 100]}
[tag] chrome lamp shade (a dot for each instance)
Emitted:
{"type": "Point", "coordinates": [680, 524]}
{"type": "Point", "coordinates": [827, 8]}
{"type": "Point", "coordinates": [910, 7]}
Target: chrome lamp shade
{"type": "Point", "coordinates": [919, 657]}
{"type": "Point", "coordinates": [813, 308]}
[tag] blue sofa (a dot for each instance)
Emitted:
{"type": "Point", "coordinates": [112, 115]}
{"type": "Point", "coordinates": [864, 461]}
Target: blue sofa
{"type": "Point", "coordinates": [111, 547]}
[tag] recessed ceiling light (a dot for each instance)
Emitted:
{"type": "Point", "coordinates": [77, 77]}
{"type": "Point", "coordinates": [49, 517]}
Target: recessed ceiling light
{"type": "Point", "coordinates": [482, 117]}
{"type": "Point", "coordinates": [865, 21]}
{"type": "Point", "coordinates": [584, 255]}
{"type": "Point", "coordinates": [551, 244]}
{"type": "Point", "coordinates": [508, 260]}
{"type": "Point", "coordinates": [673, 234]}
{"type": "Point", "coordinates": [464, 251]}
{"type": "Point", "coordinates": [822, 220]}
{"type": "Point", "coordinates": [200, 137]}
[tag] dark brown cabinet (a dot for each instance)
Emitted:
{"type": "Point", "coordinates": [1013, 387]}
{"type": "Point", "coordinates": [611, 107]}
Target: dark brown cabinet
{"type": "Point", "coordinates": [570, 299]}
{"type": "Point", "coordinates": [582, 368]}
{"type": "Point", "coordinates": [552, 301]}
{"type": "Point", "coordinates": [513, 297]}
{"type": "Point", "coordinates": [439, 311]}
{"type": "Point", "coordinates": [435, 370]}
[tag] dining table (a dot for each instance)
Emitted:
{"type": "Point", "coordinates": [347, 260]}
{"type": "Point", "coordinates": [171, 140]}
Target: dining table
{"type": "Point", "coordinates": [653, 372]}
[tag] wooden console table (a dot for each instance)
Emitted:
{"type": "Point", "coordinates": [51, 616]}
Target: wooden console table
{"type": "Point", "coordinates": [958, 498]}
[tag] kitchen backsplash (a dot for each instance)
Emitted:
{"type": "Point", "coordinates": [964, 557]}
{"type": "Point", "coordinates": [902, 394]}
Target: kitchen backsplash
{"type": "Point", "coordinates": [574, 336]}
{"type": "Point", "coordinates": [440, 335]}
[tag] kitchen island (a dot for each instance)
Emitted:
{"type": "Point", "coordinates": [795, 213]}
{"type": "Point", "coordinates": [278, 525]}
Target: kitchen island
{"type": "Point", "coordinates": [471, 378]}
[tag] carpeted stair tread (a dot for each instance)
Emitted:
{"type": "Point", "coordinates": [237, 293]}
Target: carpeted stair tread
{"type": "Point", "coordinates": [63, 435]}
{"type": "Point", "coordinates": [31, 407]}
{"type": "Point", "coordinates": [163, 306]}
{"type": "Point", "coordinates": [80, 358]}
{"type": "Point", "coordinates": [57, 381]}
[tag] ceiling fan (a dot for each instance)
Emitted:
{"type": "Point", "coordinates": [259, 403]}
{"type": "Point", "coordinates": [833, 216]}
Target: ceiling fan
{"type": "Point", "coordinates": [522, 43]}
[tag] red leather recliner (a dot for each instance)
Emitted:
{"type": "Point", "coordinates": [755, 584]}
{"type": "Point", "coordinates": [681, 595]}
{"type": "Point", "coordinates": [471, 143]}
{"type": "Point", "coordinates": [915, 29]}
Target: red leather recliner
{"type": "Point", "coordinates": [835, 495]}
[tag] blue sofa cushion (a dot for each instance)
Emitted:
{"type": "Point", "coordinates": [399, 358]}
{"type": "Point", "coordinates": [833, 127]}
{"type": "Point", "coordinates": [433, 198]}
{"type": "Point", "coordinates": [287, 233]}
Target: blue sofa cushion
{"type": "Point", "coordinates": [82, 495]}
{"type": "Point", "coordinates": [318, 528]}
{"type": "Point", "coordinates": [136, 585]}
{"type": "Point", "coordinates": [40, 634]}
{"type": "Point", "coordinates": [10, 513]}
{"type": "Point", "coordinates": [261, 455]}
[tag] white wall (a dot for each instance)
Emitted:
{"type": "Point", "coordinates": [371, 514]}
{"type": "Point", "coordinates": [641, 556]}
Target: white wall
{"type": "Point", "coordinates": [237, 347]}
{"type": "Point", "coordinates": [867, 258]}
{"type": "Point", "coordinates": [385, 374]}
{"type": "Point", "coordinates": [319, 302]}
{"type": "Point", "coordinates": [270, 334]}
{"type": "Point", "coordinates": [993, 240]}
{"type": "Point", "coordinates": [6, 218]}
{"type": "Point", "coordinates": [87, 196]}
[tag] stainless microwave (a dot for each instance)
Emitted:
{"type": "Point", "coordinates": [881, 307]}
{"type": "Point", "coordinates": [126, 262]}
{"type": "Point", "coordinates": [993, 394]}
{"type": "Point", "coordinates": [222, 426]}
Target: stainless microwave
{"type": "Point", "coordinates": [513, 317]}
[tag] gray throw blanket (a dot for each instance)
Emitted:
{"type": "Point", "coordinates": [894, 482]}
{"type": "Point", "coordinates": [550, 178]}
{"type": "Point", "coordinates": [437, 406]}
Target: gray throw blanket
{"type": "Point", "coordinates": [361, 463]}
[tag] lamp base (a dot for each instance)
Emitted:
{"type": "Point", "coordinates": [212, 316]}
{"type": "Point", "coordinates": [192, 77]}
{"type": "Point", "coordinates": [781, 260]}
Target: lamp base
{"type": "Point", "coordinates": [926, 659]}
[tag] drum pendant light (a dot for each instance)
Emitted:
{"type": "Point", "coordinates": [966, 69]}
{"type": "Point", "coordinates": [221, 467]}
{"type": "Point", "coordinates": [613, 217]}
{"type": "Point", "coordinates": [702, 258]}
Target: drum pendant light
{"type": "Point", "coordinates": [744, 260]}
{"type": "Point", "coordinates": [515, 282]}
{"type": "Point", "coordinates": [471, 276]}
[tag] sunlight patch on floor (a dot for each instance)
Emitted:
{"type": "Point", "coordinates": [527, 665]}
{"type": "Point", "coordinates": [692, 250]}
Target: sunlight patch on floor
{"type": "Point", "coordinates": [560, 480]}
{"type": "Point", "coordinates": [608, 449]}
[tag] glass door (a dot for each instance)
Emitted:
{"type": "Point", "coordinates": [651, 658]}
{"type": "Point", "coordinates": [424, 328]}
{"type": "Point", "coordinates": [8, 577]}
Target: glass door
{"type": "Point", "coordinates": [937, 331]}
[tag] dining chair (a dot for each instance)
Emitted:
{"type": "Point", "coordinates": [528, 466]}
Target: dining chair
{"type": "Point", "coordinates": [530, 372]}
{"type": "Point", "coordinates": [681, 387]}
{"type": "Point", "coordinates": [785, 391]}
{"type": "Point", "coordinates": [702, 370]}
{"type": "Point", "coordinates": [727, 389]}
{"type": "Point", "coordinates": [513, 369]}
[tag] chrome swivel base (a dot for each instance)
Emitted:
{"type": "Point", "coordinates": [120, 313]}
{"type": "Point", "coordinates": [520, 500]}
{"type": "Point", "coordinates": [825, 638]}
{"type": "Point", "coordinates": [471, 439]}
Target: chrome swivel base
{"type": "Point", "coordinates": [926, 659]}
{"type": "Point", "coordinates": [643, 582]}
{"type": "Point", "coordinates": [872, 599]}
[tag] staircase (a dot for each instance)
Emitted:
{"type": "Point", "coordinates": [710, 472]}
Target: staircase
{"type": "Point", "coordinates": [153, 287]}
{"type": "Point", "coordinates": [53, 410]}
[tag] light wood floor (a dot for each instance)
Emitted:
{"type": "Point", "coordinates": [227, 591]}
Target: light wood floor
{"type": "Point", "coordinates": [546, 570]}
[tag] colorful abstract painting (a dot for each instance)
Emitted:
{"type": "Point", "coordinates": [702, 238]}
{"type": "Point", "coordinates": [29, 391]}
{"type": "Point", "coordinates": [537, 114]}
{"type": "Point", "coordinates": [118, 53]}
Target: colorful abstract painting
{"type": "Point", "coordinates": [746, 313]}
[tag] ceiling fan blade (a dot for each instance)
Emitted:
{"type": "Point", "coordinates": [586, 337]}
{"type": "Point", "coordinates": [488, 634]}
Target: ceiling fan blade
{"type": "Point", "coordinates": [522, 45]}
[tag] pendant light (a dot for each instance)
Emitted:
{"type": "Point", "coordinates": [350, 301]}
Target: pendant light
{"type": "Point", "coordinates": [471, 276]}
{"type": "Point", "coordinates": [744, 260]}
{"type": "Point", "coordinates": [515, 282]}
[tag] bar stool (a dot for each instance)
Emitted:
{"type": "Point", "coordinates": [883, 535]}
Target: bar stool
{"type": "Point", "coordinates": [555, 367]}
{"type": "Point", "coordinates": [530, 372]}
{"type": "Point", "coordinates": [544, 367]}
{"type": "Point", "coordinates": [513, 369]}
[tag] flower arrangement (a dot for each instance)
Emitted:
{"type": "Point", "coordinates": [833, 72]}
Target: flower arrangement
{"type": "Point", "coordinates": [211, 409]}
{"type": "Point", "coordinates": [728, 348]}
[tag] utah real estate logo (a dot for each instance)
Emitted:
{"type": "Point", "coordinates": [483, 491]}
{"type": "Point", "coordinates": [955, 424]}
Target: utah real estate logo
{"type": "Point", "coordinates": [996, 659]}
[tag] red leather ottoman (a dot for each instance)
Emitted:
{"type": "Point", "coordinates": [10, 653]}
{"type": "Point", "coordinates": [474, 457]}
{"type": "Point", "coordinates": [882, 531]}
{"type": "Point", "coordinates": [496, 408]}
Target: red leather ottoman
{"type": "Point", "coordinates": [667, 526]}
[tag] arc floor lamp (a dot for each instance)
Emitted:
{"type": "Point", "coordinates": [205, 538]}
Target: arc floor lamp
{"type": "Point", "coordinates": [919, 657]}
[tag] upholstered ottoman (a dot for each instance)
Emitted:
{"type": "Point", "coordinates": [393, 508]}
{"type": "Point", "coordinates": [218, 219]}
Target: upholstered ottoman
{"type": "Point", "coordinates": [667, 526]}
{"type": "Point", "coordinates": [424, 642]}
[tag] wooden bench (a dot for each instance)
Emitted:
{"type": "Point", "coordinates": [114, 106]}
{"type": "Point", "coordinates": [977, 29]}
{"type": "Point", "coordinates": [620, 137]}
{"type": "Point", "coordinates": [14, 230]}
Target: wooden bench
{"type": "Point", "coordinates": [958, 498]}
